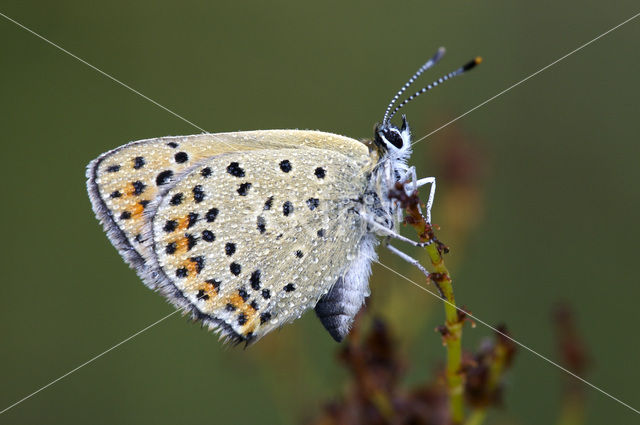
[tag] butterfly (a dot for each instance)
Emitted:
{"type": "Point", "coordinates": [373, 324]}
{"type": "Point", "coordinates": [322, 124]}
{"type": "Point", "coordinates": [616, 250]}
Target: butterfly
{"type": "Point", "coordinates": [248, 230]}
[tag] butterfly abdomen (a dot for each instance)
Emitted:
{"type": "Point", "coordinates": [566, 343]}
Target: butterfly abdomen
{"type": "Point", "coordinates": [337, 309]}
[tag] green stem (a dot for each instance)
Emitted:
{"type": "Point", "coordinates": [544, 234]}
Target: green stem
{"type": "Point", "coordinates": [453, 337]}
{"type": "Point", "coordinates": [442, 278]}
{"type": "Point", "coordinates": [476, 417]}
{"type": "Point", "coordinates": [572, 411]}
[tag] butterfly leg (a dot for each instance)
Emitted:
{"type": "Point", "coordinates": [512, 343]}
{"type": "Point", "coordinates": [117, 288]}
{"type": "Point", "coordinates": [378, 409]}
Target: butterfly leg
{"type": "Point", "coordinates": [407, 258]}
{"type": "Point", "coordinates": [389, 232]}
{"type": "Point", "coordinates": [409, 177]}
{"type": "Point", "coordinates": [411, 184]}
{"type": "Point", "coordinates": [432, 193]}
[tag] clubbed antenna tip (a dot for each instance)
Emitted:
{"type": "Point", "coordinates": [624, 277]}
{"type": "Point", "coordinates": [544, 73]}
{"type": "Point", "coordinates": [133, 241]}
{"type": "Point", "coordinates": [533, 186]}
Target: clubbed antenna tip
{"type": "Point", "coordinates": [472, 64]}
{"type": "Point", "coordinates": [468, 66]}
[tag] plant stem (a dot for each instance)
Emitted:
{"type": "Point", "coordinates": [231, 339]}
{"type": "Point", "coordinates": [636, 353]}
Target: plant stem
{"type": "Point", "coordinates": [453, 336]}
{"type": "Point", "coordinates": [452, 332]}
{"type": "Point", "coordinates": [476, 417]}
{"type": "Point", "coordinates": [572, 410]}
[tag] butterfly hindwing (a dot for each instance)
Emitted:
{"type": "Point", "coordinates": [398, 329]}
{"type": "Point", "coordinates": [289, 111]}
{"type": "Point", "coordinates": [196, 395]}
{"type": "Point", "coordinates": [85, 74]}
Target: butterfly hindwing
{"type": "Point", "coordinates": [251, 240]}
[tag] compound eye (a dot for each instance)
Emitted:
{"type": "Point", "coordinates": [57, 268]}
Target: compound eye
{"type": "Point", "coordinates": [393, 137]}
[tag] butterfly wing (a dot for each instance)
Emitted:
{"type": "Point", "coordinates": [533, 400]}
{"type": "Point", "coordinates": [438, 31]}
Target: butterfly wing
{"type": "Point", "coordinates": [245, 230]}
{"type": "Point", "coordinates": [122, 182]}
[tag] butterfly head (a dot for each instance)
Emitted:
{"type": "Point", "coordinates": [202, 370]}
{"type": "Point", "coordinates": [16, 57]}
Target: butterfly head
{"type": "Point", "coordinates": [393, 141]}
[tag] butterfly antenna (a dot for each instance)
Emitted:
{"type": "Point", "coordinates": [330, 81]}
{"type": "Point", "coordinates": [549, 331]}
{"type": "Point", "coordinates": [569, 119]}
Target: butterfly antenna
{"type": "Point", "coordinates": [439, 54]}
{"type": "Point", "coordinates": [467, 67]}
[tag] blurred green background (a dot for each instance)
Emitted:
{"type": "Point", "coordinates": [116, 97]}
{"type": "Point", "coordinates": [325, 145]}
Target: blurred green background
{"type": "Point", "coordinates": [551, 213]}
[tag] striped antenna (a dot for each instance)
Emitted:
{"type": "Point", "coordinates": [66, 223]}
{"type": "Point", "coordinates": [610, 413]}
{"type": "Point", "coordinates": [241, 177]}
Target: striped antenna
{"type": "Point", "coordinates": [439, 54]}
{"type": "Point", "coordinates": [468, 66]}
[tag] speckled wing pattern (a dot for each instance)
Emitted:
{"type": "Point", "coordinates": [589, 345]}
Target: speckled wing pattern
{"type": "Point", "coordinates": [244, 230]}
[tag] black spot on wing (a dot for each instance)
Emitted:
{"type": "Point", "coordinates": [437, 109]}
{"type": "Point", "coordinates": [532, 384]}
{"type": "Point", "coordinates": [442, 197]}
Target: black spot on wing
{"type": "Point", "coordinates": [268, 203]}
{"type": "Point", "coordinates": [181, 157]}
{"type": "Point", "coordinates": [255, 279]}
{"type": "Point", "coordinates": [243, 294]}
{"type": "Point", "coordinates": [215, 282]}
{"type": "Point", "coordinates": [211, 215]}
{"type": "Point", "coordinates": [170, 226]}
{"type": "Point", "coordinates": [287, 208]}
{"type": "Point", "coordinates": [264, 317]}
{"type": "Point", "coordinates": [201, 295]}
{"type": "Point", "coordinates": [244, 189]}
{"type": "Point", "coordinates": [191, 241]}
{"type": "Point", "coordinates": [235, 170]}
{"type": "Point", "coordinates": [193, 219]}
{"type": "Point", "coordinates": [138, 162]}
{"type": "Point", "coordinates": [285, 166]}
{"type": "Point", "coordinates": [261, 224]}
{"type": "Point", "coordinates": [138, 187]}
{"type": "Point", "coordinates": [176, 199]}
{"type": "Point", "coordinates": [198, 194]}
{"type": "Point", "coordinates": [235, 268]}
{"type": "Point", "coordinates": [198, 262]}
{"type": "Point", "coordinates": [163, 177]}
{"type": "Point", "coordinates": [313, 203]}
